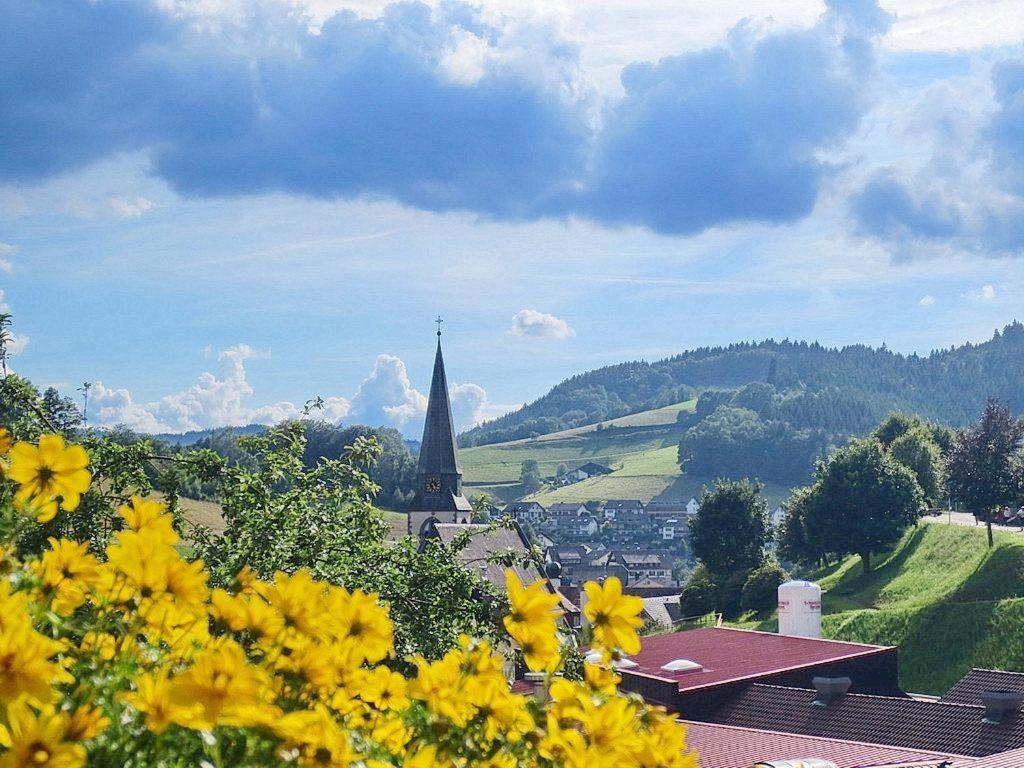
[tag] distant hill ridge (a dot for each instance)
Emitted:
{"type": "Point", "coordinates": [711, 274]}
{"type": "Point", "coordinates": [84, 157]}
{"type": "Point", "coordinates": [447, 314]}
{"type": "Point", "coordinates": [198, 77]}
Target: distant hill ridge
{"type": "Point", "coordinates": [865, 383]}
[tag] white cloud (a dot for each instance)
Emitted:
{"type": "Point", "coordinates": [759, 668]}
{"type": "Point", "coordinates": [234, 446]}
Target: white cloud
{"type": "Point", "coordinates": [385, 398]}
{"type": "Point", "coordinates": [927, 301]}
{"type": "Point", "coordinates": [17, 344]}
{"type": "Point", "coordinates": [4, 306]}
{"type": "Point", "coordinates": [986, 292]}
{"type": "Point", "coordinates": [130, 208]}
{"type": "Point", "coordinates": [533, 324]}
{"type": "Point", "coordinates": [6, 249]}
{"type": "Point", "coordinates": [469, 404]}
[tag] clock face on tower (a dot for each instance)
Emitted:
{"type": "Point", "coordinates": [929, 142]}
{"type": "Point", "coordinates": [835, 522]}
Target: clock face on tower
{"type": "Point", "coordinates": [432, 484]}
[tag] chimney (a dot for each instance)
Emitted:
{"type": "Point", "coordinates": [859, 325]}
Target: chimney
{"type": "Point", "coordinates": [830, 689]}
{"type": "Point", "coordinates": [540, 691]}
{"type": "Point", "coordinates": [1000, 705]}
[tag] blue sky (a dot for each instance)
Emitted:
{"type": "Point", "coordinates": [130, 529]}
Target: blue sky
{"type": "Point", "coordinates": [215, 210]}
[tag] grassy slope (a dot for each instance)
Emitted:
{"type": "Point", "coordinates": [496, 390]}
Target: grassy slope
{"type": "Point", "coordinates": [640, 448]}
{"type": "Point", "coordinates": [942, 596]}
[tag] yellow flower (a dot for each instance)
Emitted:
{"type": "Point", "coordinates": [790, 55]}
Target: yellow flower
{"type": "Point", "coordinates": [358, 620]}
{"type": "Point", "coordinates": [25, 666]}
{"type": "Point", "coordinates": [601, 678]}
{"type": "Point", "coordinates": [438, 684]}
{"type": "Point", "coordinates": [86, 723]}
{"type": "Point", "coordinates": [49, 472]}
{"type": "Point", "coordinates": [614, 616]}
{"type": "Point", "coordinates": [13, 609]}
{"type": "Point", "coordinates": [426, 757]}
{"type": "Point", "coordinates": [6, 441]}
{"type": "Point", "coordinates": [540, 649]}
{"type": "Point", "coordinates": [299, 599]}
{"type": "Point", "coordinates": [384, 689]}
{"type": "Point", "coordinates": [318, 739]}
{"type": "Point", "coordinates": [144, 514]}
{"type": "Point", "coordinates": [67, 571]}
{"type": "Point", "coordinates": [532, 607]}
{"type": "Point", "coordinates": [228, 690]}
{"type": "Point", "coordinates": [102, 643]}
{"type": "Point", "coordinates": [610, 728]}
{"type": "Point", "coordinates": [39, 740]}
{"type": "Point", "coordinates": [152, 697]}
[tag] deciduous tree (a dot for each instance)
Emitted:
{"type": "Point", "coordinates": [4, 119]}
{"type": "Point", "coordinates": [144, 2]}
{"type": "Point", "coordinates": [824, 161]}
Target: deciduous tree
{"type": "Point", "coordinates": [986, 463]}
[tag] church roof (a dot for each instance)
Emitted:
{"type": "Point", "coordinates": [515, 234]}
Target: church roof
{"type": "Point", "coordinates": [439, 451]}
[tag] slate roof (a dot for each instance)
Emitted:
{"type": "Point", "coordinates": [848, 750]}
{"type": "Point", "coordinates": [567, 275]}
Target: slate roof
{"type": "Point", "coordinates": [521, 506]}
{"type": "Point", "coordinates": [623, 504]}
{"type": "Point", "coordinates": [663, 610]}
{"type": "Point", "coordinates": [968, 689]}
{"type": "Point", "coordinates": [667, 508]}
{"type": "Point", "coordinates": [593, 468]}
{"type": "Point", "coordinates": [955, 729]}
{"type": "Point", "coordinates": [438, 451]}
{"type": "Point", "coordinates": [649, 559]}
{"type": "Point", "coordinates": [723, 746]}
{"type": "Point", "coordinates": [730, 655]}
{"type": "Point", "coordinates": [485, 541]}
{"type": "Point", "coordinates": [564, 508]}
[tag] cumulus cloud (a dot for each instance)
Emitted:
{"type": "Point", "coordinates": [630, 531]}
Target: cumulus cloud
{"type": "Point", "coordinates": [986, 292]}
{"type": "Point", "coordinates": [927, 301]}
{"type": "Point", "coordinates": [530, 323]}
{"type": "Point", "coordinates": [969, 192]}
{"type": "Point", "coordinates": [440, 108]}
{"type": "Point", "coordinates": [735, 132]}
{"type": "Point", "coordinates": [16, 343]}
{"type": "Point", "coordinates": [6, 250]}
{"type": "Point", "coordinates": [214, 400]}
{"type": "Point", "coordinates": [385, 398]}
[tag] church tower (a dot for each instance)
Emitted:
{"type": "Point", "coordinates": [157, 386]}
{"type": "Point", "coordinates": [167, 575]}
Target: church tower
{"type": "Point", "coordinates": [439, 479]}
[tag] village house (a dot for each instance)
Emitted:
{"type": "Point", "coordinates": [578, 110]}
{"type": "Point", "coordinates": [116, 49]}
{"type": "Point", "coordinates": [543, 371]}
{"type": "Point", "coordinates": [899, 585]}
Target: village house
{"type": "Point", "coordinates": [617, 509]}
{"type": "Point", "coordinates": [567, 509]}
{"type": "Point", "coordinates": [526, 511]}
{"type": "Point", "coordinates": [671, 518]}
{"type": "Point", "coordinates": [646, 565]}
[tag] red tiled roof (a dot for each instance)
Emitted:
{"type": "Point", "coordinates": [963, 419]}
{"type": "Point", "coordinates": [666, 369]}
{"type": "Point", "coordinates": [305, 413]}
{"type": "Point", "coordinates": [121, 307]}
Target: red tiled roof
{"type": "Point", "coordinates": [524, 687]}
{"type": "Point", "coordinates": [956, 729]}
{"type": "Point", "coordinates": [968, 689]}
{"type": "Point", "coordinates": [724, 746]}
{"type": "Point", "coordinates": [737, 654]}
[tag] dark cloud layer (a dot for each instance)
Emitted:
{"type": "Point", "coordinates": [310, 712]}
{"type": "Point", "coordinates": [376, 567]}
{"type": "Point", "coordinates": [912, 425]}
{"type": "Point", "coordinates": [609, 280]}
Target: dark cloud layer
{"type": "Point", "coordinates": [392, 107]}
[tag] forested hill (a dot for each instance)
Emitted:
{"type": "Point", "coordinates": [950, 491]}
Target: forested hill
{"type": "Point", "coordinates": [841, 390]}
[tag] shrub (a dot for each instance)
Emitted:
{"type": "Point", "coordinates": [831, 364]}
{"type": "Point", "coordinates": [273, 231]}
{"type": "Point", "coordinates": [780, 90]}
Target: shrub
{"type": "Point", "coordinates": [126, 656]}
{"type": "Point", "coordinates": [700, 595]}
{"type": "Point", "coordinates": [760, 590]}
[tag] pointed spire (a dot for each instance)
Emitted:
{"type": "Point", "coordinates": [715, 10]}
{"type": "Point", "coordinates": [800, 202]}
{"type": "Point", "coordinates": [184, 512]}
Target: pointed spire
{"type": "Point", "coordinates": [438, 451]}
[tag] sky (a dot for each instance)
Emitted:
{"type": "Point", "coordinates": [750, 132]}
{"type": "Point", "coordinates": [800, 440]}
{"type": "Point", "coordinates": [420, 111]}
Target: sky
{"type": "Point", "coordinates": [216, 210]}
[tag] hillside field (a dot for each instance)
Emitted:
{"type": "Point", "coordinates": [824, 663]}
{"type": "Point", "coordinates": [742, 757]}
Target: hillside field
{"type": "Point", "coordinates": [641, 449]}
{"type": "Point", "coordinates": [941, 595]}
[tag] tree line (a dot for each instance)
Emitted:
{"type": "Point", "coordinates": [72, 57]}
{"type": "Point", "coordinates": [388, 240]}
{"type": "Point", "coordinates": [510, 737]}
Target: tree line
{"type": "Point", "coordinates": [844, 390]}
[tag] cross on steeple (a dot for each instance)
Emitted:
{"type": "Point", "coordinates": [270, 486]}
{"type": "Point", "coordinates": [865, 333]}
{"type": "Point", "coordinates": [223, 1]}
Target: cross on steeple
{"type": "Point", "coordinates": [439, 321]}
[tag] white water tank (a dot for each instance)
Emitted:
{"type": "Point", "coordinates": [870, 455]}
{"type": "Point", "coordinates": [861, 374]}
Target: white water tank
{"type": "Point", "coordinates": [800, 609]}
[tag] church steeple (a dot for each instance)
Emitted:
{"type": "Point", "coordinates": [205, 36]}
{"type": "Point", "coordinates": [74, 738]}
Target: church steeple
{"type": "Point", "coordinates": [439, 479]}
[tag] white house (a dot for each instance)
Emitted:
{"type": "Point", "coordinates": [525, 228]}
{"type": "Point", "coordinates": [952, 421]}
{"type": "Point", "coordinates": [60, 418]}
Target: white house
{"type": "Point", "coordinates": [692, 506]}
